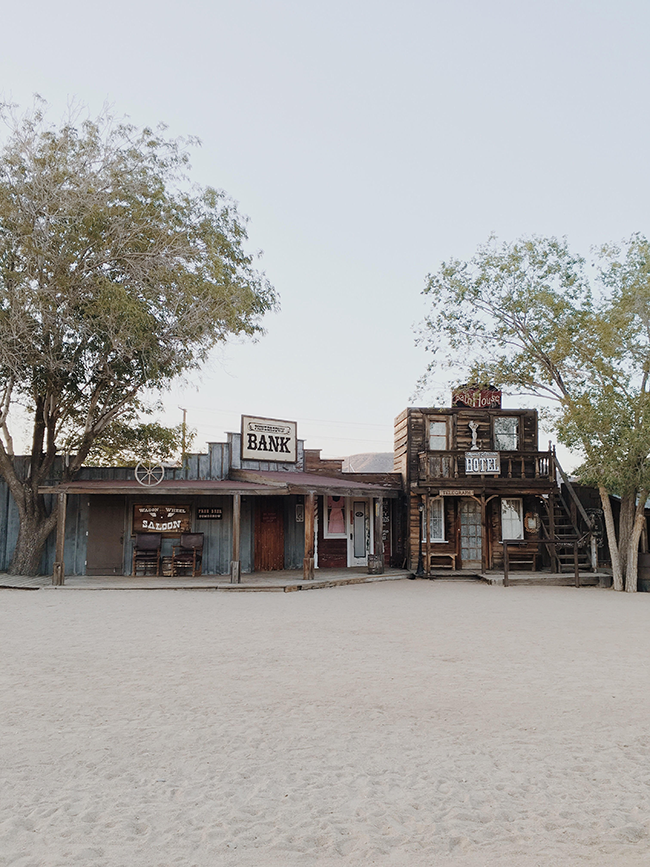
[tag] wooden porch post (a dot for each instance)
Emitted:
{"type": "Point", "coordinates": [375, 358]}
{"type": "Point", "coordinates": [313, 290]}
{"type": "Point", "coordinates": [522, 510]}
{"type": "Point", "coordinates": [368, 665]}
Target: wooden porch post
{"type": "Point", "coordinates": [376, 560]}
{"type": "Point", "coordinates": [235, 563]}
{"type": "Point", "coordinates": [58, 573]}
{"type": "Point", "coordinates": [310, 518]}
{"type": "Point", "coordinates": [555, 561]}
{"type": "Point", "coordinates": [484, 536]}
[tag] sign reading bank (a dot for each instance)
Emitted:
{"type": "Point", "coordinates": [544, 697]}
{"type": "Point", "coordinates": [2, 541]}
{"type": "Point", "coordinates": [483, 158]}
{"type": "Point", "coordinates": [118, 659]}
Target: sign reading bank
{"type": "Point", "coordinates": [268, 439]}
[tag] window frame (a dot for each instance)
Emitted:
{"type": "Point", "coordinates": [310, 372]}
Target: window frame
{"type": "Point", "coordinates": [517, 434]}
{"type": "Point", "coordinates": [427, 527]}
{"type": "Point", "coordinates": [326, 517]}
{"type": "Point", "coordinates": [440, 421]}
{"type": "Point", "coordinates": [520, 502]}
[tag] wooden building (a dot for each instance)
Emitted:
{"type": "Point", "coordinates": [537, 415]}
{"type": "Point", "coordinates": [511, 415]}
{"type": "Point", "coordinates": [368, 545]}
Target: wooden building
{"type": "Point", "coordinates": [475, 477]}
{"type": "Point", "coordinates": [250, 513]}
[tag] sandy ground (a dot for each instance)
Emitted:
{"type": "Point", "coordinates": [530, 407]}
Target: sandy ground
{"type": "Point", "coordinates": [404, 723]}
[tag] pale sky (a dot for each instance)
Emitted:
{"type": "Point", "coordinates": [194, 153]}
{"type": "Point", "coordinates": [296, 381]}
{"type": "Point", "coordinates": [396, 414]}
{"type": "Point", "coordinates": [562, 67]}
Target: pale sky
{"type": "Point", "coordinates": [367, 142]}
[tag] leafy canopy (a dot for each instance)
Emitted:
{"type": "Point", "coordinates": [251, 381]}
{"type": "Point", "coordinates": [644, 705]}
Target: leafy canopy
{"type": "Point", "coordinates": [529, 316]}
{"type": "Point", "coordinates": [116, 274]}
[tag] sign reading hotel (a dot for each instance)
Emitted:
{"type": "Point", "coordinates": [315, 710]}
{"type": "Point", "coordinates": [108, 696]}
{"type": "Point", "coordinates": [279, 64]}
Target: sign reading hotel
{"type": "Point", "coordinates": [482, 463]}
{"type": "Point", "coordinates": [475, 397]}
{"type": "Point", "coordinates": [268, 439]}
{"type": "Point", "coordinates": [171, 520]}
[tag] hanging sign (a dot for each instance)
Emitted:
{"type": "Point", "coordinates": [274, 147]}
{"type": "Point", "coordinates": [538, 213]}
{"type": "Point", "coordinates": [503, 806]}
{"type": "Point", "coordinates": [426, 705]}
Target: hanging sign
{"type": "Point", "coordinates": [475, 397]}
{"type": "Point", "coordinates": [457, 492]}
{"type": "Point", "coordinates": [482, 463]}
{"type": "Point", "coordinates": [268, 439]}
{"type": "Point", "coordinates": [171, 520]}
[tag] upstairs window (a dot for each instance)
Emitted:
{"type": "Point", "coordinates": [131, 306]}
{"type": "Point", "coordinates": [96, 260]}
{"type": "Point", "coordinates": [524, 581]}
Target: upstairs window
{"type": "Point", "coordinates": [506, 433]}
{"type": "Point", "coordinates": [437, 436]}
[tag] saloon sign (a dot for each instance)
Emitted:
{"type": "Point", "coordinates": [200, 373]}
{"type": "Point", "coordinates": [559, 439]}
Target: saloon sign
{"type": "Point", "coordinates": [171, 520]}
{"type": "Point", "coordinates": [268, 439]}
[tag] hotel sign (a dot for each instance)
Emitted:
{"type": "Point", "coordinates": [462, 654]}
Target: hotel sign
{"type": "Point", "coordinates": [268, 439]}
{"type": "Point", "coordinates": [482, 463]}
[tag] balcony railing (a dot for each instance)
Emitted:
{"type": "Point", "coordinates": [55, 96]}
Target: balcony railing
{"type": "Point", "coordinates": [514, 465]}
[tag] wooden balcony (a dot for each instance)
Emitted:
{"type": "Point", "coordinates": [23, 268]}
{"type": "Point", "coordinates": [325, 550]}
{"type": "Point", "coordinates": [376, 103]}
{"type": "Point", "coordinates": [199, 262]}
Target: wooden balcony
{"type": "Point", "coordinates": [435, 466]}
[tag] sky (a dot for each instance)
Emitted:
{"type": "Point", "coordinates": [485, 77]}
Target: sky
{"type": "Point", "coordinates": [367, 142]}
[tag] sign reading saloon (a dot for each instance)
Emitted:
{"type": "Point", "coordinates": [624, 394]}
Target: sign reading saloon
{"type": "Point", "coordinates": [170, 520]}
{"type": "Point", "coordinates": [268, 439]}
{"type": "Point", "coordinates": [482, 463]}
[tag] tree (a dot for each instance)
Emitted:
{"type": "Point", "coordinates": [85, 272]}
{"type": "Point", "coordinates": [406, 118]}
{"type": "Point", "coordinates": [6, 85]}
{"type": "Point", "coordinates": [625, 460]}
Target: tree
{"type": "Point", "coordinates": [127, 440]}
{"type": "Point", "coordinates": [116, 275]}
{"type": "Point", "coordinates": [527, 316]}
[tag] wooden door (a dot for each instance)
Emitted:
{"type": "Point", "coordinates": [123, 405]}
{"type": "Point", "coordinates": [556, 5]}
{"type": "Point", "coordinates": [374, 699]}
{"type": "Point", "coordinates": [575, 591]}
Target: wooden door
{"type": "Point", "coordinates": [471, 535]}
{"type": "Point", "coordinates": [269, 534]}
{"type": "Point", "coordinates": [105, 545]}
{"type": "Point", "coordinates": [360, 535]}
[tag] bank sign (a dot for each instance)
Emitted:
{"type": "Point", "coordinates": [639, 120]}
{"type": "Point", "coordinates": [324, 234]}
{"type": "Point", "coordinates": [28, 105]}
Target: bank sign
{"type": "Point", "coordinates": [268, 439]}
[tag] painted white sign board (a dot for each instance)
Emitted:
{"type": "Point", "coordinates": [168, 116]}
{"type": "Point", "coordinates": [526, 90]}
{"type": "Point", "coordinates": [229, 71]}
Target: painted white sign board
{"type": "Point", "coordinates": [268, 439]}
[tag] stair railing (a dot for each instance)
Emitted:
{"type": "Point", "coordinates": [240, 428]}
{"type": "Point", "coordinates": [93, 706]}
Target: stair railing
{"type": "Point", "coordinates": [585, 517]}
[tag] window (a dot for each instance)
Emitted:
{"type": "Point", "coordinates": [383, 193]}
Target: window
{"type": "Point", "coordinates": [437, 436]}
{"type": "Point", "coordinates": [506, 433]}
{"type": "Point", "coordinates": [436, 521]}
{"type": "Point", "coordinates": [334, 518]}
{"type": "Point", "coordinates": [512, 523]}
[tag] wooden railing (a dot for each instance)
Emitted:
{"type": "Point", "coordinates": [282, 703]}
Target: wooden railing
{"type": "Point", "coordinates": [514, 465]}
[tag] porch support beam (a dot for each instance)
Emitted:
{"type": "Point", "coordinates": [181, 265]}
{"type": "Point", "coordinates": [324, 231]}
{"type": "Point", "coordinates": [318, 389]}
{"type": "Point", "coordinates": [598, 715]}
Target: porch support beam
{"type": "Point", "coordinates": [310, 523]}
{"type": "Point", "coordinates": [58, 573]}
{"type": "Point", "coordinates": [376, 560]}
{"type": "Point", "coordinates": [235, 562]}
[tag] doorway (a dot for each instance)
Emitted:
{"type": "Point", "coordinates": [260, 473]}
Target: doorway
{"type": "Point", "coordinates": [471, 535]}
{"type": "Point", "coordinates": [360, 535]}
{"type": "Point", "coordinates": [105, 546]}
{"type": "Point", "coordinates": [269, 534]}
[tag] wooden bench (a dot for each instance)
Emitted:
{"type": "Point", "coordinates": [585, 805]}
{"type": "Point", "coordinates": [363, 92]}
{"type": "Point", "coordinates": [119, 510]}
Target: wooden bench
{"type": "Point", "coordinates": [517, 555]}
{"type": "Point", "coordinates": [446, 556]}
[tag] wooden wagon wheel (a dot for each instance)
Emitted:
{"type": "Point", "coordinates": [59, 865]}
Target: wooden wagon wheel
{"type": "Point", "coordinates": [149, 474]}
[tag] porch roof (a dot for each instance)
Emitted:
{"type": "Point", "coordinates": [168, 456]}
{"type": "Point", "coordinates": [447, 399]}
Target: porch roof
{"type": "Point", "coordinates": [248, 482]}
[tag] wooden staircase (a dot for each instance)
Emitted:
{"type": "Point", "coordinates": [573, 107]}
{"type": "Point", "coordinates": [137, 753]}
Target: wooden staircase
{"type": "Point", "coordinates": [565, 524]}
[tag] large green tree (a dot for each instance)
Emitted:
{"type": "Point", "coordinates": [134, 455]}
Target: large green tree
{"type": "Point", "coordinates": [116, 275]}
{"type": "Point", "coordinates": [535, 318]}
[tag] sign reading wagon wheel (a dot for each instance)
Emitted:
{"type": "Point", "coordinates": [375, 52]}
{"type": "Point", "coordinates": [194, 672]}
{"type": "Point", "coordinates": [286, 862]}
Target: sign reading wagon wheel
{"type": "Point", "coordinates": [149, 474]}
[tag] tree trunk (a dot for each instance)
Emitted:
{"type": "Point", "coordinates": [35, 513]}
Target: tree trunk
{"type": "Point", "coordinates": [632, 572]}
{"type": "Point", "coordinates": [617, 573]}
{"type": "Point", "coordinates": [625, 528]}
{"type": "Point", "coordinates": [32, 536]}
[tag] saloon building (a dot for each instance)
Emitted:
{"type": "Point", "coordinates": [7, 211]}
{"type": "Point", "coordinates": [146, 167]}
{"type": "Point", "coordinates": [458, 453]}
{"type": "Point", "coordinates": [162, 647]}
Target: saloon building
{"type": "Point", "coordinates": [258, 502]}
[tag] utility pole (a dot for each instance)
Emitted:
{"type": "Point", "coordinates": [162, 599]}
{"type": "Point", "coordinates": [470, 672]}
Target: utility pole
{"type": "Point", "coordinates": [183, 439]}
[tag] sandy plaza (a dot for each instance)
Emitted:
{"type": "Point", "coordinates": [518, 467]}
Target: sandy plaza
{"type": "Point", "coordinates": [397, 723]}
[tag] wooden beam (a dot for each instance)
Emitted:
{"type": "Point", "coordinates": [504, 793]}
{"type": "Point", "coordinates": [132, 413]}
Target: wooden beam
{"type": "Point", "coordinates": [58, 573]}
{"type": "Point", "coordinates": [376, 559]}
{"type": "Point", "coordinates": [310, 521]}
{"type": "Point", "coordinates": [235, 562]}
